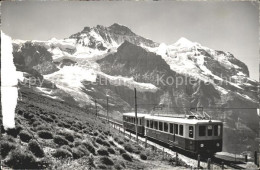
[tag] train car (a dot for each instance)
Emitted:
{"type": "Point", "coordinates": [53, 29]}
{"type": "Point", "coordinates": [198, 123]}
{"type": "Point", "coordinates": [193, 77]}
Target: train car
{"type": "Point", "coordinates": [129, 122]}
{"type": "Point", "coordinates": [190, 134]}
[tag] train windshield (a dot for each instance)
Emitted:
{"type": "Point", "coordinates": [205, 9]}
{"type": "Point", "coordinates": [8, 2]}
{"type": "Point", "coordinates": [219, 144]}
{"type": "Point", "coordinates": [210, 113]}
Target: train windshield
{"type": "Point", "coordinates": [217, 130]}
{"type": "Point", "coordinates": [202, 130]}
{"type": "Point", "coordinates": [210, 130]}
{"type": "Point", "coordinates": [191, 131]}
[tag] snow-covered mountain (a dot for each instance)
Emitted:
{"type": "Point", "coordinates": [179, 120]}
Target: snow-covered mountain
{"type": "Point", "coordinates": [101, 61]}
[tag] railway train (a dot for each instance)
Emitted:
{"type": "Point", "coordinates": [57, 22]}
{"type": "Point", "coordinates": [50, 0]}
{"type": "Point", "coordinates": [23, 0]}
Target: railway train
{"type": "Point", "coordinates": [197, 136]}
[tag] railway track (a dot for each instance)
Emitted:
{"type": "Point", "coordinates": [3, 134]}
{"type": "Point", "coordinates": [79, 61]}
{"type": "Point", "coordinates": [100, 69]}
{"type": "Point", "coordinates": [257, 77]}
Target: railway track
{"type": "Point", "coordinates": [220, 162]}
{"type": "Point", "coordinates": [229, 164]}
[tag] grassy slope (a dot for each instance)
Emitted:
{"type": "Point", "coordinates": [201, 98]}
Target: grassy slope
{"type": "Point", "coordinates": [76, 139]}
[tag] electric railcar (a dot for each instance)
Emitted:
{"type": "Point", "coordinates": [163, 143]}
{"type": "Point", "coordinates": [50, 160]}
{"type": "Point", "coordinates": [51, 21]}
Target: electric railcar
{"type": "Point", "coordinates": [190, 134]}
{"type": "Point", "coordinates": [129, 122]}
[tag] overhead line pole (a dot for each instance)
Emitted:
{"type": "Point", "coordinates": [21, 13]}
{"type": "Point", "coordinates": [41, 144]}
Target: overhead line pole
{"type": "Point", "coordinates": [96, 107]}
{"type": "Point", "coordinates": [107, 110]}
{"type": "Point", "coordinates": [136, 120]}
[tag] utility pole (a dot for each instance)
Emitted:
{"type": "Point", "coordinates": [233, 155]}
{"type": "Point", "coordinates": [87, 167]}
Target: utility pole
{"type": "Point", "coordinates": [96, 107]}
{"type": "Point", "coordinates": [107, 110]}
{"type": "Point", "coordinates": [136, 120]}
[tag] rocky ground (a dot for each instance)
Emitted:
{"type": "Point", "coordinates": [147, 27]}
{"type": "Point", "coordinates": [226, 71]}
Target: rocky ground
{"type": "Point", "coordinates": [52, 134]}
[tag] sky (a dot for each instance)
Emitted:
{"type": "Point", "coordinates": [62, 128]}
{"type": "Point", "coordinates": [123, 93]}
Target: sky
{"type": "Point", "coordinates": [227, 26]}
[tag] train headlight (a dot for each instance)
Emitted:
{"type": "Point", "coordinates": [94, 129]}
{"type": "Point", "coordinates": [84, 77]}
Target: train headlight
{"type": "Point", "coordinates": [202, 145]}
{"type": "Point", "coordinates": [217, 144]}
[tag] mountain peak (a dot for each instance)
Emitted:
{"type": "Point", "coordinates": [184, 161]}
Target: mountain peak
{"type": "Point", "coordinates": [86, 29]}
{"type": "Point", "coordinates": [184, 42]}
{"type": "Point", "coordinates": [120, 29]}
{"type": "Point", "coordinates": [116, 25]}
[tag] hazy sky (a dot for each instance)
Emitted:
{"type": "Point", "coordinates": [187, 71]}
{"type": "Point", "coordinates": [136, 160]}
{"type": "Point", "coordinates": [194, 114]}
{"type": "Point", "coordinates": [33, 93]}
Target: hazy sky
{"type": "Point", "coordinates": [227, 26]}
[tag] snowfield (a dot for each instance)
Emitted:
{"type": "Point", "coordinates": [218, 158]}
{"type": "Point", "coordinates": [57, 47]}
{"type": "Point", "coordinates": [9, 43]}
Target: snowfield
{"type": "Point", "coordinates": [130, 83]}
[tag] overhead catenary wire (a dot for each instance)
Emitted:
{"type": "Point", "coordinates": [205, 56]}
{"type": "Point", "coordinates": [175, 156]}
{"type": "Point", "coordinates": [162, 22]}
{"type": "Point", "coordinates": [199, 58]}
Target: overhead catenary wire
{"type": "Point", "coordinates": [181, 107]}
{"type": "Point", "coordinates": [207, 108]}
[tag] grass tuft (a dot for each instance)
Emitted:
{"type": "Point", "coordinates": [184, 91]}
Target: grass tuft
{"type": "Point", "coordinates": [45, 134]}
{"type": "Point", "coordinates": [62, 153]}
{"type": "Point", "coordinates": [6, 147]}
{"type": "Point", "coordinates": [67, 135]}
{"type": "Point", "coordinates": [127, 157]}
{"type": "Point", "coordinates": [60, 140]}
{"type": "Point", "coordinates": [102, 142]}
{"type": "Point", "coordinates": [143, 156]}
{"type": "Point", "coordinates": [89, 146]}
{"type": "Point", "coordinates": [25, 136]}
{"type": "Point", "coordinates": [102, 151]}
{"type": "Point", "coordinates": [36, 149]}
{"type": "Point", "coordinates": [22, 159]}
{"type": "Point", "coordinates": [111, 150]}
{"type": "Point", "coordinates": [106, 160]}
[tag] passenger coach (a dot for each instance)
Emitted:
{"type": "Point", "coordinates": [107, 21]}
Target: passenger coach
{"type": "Point", "coordinates": [129, 122]}
{"type": "Point", "coordinates": [190, 134]}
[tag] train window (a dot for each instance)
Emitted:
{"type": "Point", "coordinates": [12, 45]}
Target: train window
{"type": "Point", "coordinates": [181, 130]}
{"type": "Point", "coordinates": [147, 123]}
{"type": "Point", "coordinates": [160, 126]}
{"type": "Point", "coordinates": [191, 131]}
{"type": "Point", "coordinates": [210, 129]}
{"type": "Point", "coordinates": [217, 130]}
{"type": "Point", "coordinates": [165, 127]}
{"type": "Point", "coordinates": [176, 129]}
{"type": "Point", "coordinates": [151, 124]}
{"type": "Point", "coordinates": [202, 130]}
{"type": "Point", "coordinates": [171, 128]}
{"type": "Point", "coordinates": [155, 125]}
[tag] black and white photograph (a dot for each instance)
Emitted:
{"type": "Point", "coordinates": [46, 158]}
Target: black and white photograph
{"type": "Point", "coordinates": [152, 85]}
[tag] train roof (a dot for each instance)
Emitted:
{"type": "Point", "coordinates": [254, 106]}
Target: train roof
{"type": "Point", "coordinates": [173, 119]}
{"type": "Point", "coordinates": [132, 114]}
